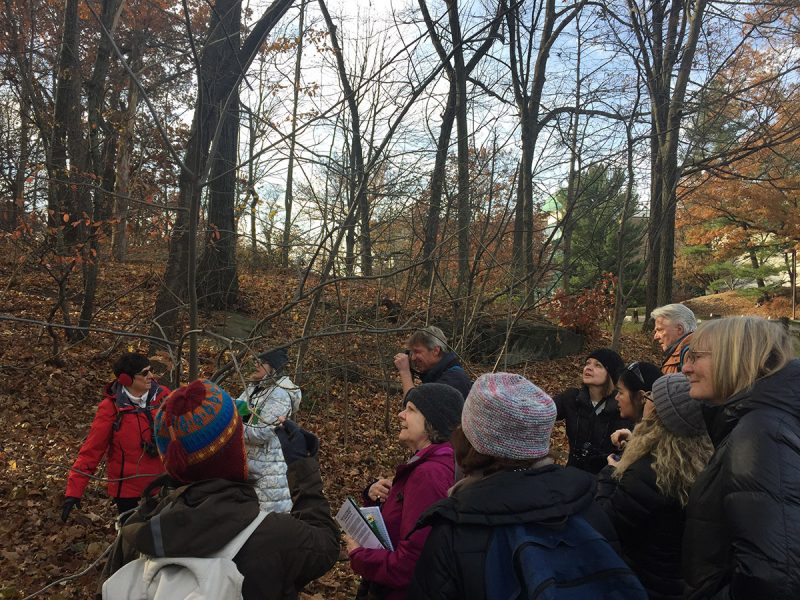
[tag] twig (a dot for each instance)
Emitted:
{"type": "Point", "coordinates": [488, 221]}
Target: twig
{"type": "Point", "coordinates": [74, 575]}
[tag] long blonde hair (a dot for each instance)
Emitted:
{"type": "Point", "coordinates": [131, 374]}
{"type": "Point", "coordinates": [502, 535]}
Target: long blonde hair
{"type": "Point", "coordinates": [743, 349]}
{"type": "Point", "coordinates": [677, 461]}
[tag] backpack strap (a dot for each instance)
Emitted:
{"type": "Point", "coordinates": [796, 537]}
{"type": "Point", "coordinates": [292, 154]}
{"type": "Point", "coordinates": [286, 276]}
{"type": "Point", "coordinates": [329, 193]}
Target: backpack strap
{"type": "Point", "coordinates": [232, 548]}
{"type": "Point", "coordinates": [683, 353]}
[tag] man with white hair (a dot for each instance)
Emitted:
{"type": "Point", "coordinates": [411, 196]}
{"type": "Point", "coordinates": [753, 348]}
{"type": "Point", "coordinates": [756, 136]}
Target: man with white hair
{"type": "Point", "coordinates": [674, 324]}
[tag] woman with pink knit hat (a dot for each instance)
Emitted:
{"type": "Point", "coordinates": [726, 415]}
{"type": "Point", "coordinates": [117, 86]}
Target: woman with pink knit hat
{"type": "Point", "coordinates": [512, 485]}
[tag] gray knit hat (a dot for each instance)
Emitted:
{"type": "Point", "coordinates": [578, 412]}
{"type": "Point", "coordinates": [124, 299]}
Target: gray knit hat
{"type": "Point", "coordinates": [678, 412]}
{"type": "Point", "coordinates": [507, 416]}
{"type": "Point", "coordinates": [440, 404]}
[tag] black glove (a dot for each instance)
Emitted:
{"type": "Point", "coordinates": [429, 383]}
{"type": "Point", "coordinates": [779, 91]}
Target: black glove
{"type": "Point", "coordinates": [66, 508]}
{"type": "Point", "coordinates": [296, 442]}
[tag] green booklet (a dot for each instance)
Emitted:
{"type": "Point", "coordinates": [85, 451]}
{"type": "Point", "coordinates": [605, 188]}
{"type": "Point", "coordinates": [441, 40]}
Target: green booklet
{"type": "Point", "coordinates": [364, 524]}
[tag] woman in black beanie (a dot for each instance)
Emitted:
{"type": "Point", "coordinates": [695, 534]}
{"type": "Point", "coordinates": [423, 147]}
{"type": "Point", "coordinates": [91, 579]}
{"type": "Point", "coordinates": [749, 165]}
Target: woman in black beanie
{"type": "Point", "coordinates": [432, 411]}
{"type": "Point", "coordinates": [591, 412]}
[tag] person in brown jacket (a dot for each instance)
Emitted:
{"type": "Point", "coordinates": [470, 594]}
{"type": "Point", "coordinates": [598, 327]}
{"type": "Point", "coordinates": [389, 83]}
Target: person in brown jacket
{"type": "Point", "coordinates": [208, 500]}
{"type": "Point", "coordinates": [674, 324]}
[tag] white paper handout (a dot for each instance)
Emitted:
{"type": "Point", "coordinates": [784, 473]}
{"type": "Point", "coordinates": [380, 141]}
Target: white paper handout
{"type": "Point", "coordinates": [364, 524]}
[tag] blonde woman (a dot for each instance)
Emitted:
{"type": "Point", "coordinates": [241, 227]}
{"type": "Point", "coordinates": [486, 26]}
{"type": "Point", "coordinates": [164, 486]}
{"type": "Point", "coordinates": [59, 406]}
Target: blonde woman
{"type": "Point", "coordinates": [742, 537]}
{"type": "Point", "coordinates": [645, 496]}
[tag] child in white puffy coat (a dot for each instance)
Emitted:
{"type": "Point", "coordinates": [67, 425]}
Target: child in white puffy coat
{"type": "Point", "coordinates": [269, 395]}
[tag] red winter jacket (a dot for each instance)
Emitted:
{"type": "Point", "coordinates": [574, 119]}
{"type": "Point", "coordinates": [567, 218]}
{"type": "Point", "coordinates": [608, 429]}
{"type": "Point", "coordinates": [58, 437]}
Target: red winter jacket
{"type": "Point", "coordinates": [417, 485]}
{"type": "Point", "coordinates": [118, 432]}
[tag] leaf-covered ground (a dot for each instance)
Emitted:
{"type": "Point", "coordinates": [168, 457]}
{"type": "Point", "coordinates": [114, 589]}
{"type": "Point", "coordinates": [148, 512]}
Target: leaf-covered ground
{"type": "Point", "coordinates": [46, 408]}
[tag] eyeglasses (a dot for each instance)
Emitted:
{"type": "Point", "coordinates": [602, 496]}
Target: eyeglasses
{"type": "Point", "coordinates": [144, 372]}
{"type": "Point", "coordinates": [692, 355]}
{"type": "Point", "coordinates": [634, 368]}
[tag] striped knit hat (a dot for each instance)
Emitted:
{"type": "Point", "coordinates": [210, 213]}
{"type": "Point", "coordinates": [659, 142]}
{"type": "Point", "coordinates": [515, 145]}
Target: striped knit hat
{"type": "Point", "coordinates": [507, 416]}
{"type": "Point", "coordinates": [199, 434]}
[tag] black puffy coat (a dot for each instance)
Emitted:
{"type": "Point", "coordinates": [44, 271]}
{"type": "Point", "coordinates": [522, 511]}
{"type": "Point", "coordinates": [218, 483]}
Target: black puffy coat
{"type": "Point", "coordinates": [742, 537]}
{"type": "Point", "coordinates": [649, 526]}
{"type": "Point", "coordinates": [589, 431]}
{"type": "Point", "coordinates": [452, 563]}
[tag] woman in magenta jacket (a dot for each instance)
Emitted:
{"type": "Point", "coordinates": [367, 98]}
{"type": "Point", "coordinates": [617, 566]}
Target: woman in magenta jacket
{"type": "Point", "coordinates": [122, 432]}
{"type": "Point", "coordinates": [431, 413]}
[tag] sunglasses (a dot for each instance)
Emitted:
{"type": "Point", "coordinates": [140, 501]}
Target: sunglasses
{"type": "Point", "coordinates": [144, 372]}
{"type": "Point", "coordinates": [634, 368]}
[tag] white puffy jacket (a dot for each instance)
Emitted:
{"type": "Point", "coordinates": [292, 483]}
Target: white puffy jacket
{"type": "Point", "coordinates": [268, 400]}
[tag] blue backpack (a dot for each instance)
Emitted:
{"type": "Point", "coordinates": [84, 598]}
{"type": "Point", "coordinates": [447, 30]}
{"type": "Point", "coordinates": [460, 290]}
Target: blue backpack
{"type": "Point", "coordinates": [573, 562]}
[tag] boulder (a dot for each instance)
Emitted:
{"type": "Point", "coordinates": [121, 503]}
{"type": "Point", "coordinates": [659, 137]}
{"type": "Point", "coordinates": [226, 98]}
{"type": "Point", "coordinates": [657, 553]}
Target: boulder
{"type": "Point", "coordinates": [528, 341]}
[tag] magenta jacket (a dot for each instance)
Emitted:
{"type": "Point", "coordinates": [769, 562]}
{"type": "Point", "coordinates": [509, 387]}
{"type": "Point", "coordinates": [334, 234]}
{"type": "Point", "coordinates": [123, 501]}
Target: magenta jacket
{"type": "Point", "coordinates": [417, 484]}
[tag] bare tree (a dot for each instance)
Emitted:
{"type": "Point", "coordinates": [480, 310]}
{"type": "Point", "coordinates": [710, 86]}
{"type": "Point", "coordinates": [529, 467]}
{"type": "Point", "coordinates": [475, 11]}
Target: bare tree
{"type": "Point", "coordinates": [213, 96]}
{"type": "Point", "coordinates": [289, 195]}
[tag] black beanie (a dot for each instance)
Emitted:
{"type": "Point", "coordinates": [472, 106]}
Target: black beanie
{"type": "Point", "coordinates": [640, 376]}
{"type": "Point", "coordinates": [440, 404]}
{"type": "Point", "coordinates": [275, 358]}
{"type": "Point", "coordinates": [610, 360]}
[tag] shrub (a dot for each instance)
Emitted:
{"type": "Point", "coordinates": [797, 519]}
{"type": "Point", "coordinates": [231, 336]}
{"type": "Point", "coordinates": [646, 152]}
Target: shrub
{"type": "Point", "coordinates": [585, 311]}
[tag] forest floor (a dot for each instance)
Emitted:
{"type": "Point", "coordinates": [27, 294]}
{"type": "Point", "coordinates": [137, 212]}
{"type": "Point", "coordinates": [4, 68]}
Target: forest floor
{"type": "Point", "coordinates": [46, 408]}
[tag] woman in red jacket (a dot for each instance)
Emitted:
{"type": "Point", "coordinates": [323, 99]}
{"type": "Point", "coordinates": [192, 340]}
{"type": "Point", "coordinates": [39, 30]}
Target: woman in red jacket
{"type": "Point", "coordinates": [432, 411]}
{"type": "Point", "coordinates": [122, 431]}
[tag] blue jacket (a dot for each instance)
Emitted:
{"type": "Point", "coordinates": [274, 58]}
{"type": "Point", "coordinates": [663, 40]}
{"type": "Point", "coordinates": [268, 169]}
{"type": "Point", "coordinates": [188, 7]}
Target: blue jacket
{"type": "Point", "coordinates": [449, 372]}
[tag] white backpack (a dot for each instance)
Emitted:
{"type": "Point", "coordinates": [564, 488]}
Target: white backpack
{"type": "Point", "coordinates": [213, 577]}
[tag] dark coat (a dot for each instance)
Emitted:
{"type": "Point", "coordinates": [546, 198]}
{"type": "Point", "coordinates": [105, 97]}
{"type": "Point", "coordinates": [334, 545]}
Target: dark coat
{"type": "Point", "coordinates": [589, 432]}
{"type": "Point", "coordinates": [120, 432]}
{"type": "Point", "coordinates": [449, 372]}
{"type": "Point", "coordinates": [452, 564]}
{"type": "Point", "coordinates": [649, 526]}
{"type": "Point", "coordinates": [417, 484]}
{"type": "Point", "coordinates": [284, 553]}
{"type": "Point", "coordinates": [742, 537]}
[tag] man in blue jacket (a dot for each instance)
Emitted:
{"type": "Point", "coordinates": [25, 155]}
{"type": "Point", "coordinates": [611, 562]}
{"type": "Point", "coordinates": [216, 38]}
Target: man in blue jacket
{"type": "Point", "coordinates": [428, 354]}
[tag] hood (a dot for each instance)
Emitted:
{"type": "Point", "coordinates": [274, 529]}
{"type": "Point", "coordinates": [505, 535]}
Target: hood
{"type": "Point", "coordinates": [780, 392]}
{"type": "Point", "coordinates": [777, 393]}
{"type": "Point", "coordinates": [116, 392]}
{"type": "Point", "coordinates": [194, 520]}
{"type": "Point", "coordinates": [449, 359]}
{"type": "Point", "coordinates": [549, 493]}
{"type": "Point", "coordinates": [295, 395]}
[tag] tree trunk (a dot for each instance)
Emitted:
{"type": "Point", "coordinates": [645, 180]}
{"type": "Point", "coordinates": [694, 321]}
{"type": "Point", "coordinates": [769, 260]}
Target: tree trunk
{"type": "Point", "coordinates": [464, 212]}
{"type": "Point", "coordinates": [289, 198]}
{"type": "Point", "coordinates": [17, 207]}
{"type": "Point", "coordinates": [211, 98]}
{"type": "Point", "coordinates": [358, 177]}
{"type": "Point", "coordinates": [667, 43]}
{"type": "Point", "coordinates": [100, 215]}
{"type": "Point", "coordinates": [573, 178]}
{"type": "Point", "coordinates": [528, 84]}
{"type": "Point", "coordinates": [216, 273]}
{"type": "Point", "coordinates": [756, 265]}
{"type": "Point", "coordinates": [119, 239]}
{"type": "Point", "coordinates": [68, 200]}
{"type": "Point", "coordinates": [437, 185]}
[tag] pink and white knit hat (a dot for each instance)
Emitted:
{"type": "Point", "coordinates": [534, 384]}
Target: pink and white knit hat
{"type": "Point", "coordinates": [507, 416]}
